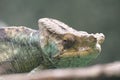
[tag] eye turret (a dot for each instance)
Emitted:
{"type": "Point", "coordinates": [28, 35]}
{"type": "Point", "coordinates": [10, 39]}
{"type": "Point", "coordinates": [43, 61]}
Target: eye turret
{"type": "Point", "coordinates": [68, 41]}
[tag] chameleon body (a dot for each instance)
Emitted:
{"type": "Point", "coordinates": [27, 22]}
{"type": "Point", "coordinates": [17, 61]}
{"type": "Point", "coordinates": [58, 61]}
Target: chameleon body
{"type": "Point", "coordinates": [54, 45]}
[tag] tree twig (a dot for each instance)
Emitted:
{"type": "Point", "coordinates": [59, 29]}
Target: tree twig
{"type": "Point", "coordinates": [98, 72]}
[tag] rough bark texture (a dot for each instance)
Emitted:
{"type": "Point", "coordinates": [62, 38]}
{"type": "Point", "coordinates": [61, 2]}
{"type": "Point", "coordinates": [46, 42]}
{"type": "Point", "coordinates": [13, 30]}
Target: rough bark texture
{"type": "Point", "coordinates": [109, 71]}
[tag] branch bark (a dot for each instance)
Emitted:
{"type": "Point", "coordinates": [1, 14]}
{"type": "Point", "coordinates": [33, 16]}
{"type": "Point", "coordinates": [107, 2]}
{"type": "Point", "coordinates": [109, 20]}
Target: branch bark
{"type": "Point", "coordinates": [98, 72]}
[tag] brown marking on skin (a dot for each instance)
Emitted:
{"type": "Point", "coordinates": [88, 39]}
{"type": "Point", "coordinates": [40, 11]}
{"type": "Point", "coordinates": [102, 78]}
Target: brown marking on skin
{"type": "Point", "coordinates": [9, 32]}
{"type": "Point", "coordinates": [73, 52]}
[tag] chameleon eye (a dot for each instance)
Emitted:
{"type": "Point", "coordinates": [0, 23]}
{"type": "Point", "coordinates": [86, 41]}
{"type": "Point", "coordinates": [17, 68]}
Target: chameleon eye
{"type": "Point", "coordinates": [64, 41]}
{"type": "Point", "coordinates": [68, 41]}
{"type": "Point", "coordinates": [68, 44]}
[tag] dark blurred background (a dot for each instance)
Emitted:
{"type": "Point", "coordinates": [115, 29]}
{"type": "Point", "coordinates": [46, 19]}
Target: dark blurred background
{"type": "Point", "coordinates": [87, 15]}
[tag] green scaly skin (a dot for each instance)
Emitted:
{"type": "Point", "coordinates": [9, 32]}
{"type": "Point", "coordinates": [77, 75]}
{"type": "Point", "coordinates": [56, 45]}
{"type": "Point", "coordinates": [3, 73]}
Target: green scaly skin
{"type": "Point", "coordinates": [23, 49]}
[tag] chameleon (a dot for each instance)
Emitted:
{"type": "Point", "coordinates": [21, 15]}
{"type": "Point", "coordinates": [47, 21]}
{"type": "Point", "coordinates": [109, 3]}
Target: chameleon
{"type": "Point", "coordinates": [53, 45]}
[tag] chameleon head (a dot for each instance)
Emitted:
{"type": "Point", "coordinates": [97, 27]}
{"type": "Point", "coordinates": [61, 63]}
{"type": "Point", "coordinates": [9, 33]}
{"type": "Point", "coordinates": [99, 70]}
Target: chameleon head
{"type": "Point", "coordinates": [67, 46]}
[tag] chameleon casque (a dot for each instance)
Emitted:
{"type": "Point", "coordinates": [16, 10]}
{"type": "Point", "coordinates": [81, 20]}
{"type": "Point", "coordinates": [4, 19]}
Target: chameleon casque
{"type": "Point", "coordinates": [54, 45]}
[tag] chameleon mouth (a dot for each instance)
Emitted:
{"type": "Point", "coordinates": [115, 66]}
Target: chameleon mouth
{"type": "Point", "coordinates": [83, 51]}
